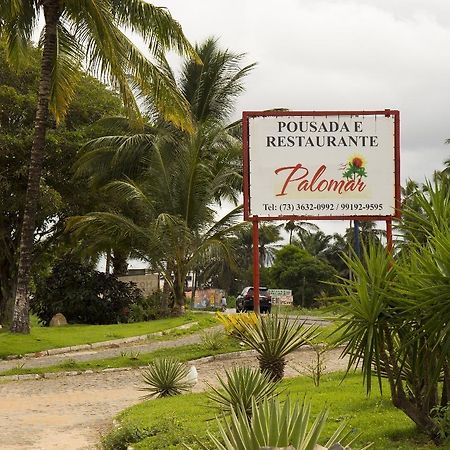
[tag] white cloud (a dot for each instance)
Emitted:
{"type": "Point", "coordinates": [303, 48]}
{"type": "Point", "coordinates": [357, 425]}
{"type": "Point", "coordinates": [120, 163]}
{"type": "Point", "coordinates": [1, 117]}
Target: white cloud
{"type": "Point", "coordinates": [341, 54]}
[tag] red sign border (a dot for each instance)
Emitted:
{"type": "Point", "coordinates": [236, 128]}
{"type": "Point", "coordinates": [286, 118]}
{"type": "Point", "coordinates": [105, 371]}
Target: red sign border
{"type": "Point", "coordinates": [246, 162]}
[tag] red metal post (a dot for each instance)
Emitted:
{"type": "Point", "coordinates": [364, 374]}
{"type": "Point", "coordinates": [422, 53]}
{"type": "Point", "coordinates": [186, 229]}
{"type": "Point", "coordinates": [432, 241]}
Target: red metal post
{"type": "Point", "coordinates": [389, 235]}
{"type": "Point", "coordinates": [255, 265]}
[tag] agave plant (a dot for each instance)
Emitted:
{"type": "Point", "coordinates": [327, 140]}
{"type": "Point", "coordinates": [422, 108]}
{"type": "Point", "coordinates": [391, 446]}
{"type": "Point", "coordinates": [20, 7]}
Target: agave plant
{"type": "Point", "coordinates": [166, 377]}
{"type": "Point", "coordinates": [274, 425]}
{"type": "Point", "coordinates": [242, 386]}
{"type": "Point", "coordinates": [274, 337]}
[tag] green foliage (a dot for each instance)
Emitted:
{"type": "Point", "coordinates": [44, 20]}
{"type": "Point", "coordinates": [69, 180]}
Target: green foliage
{"type": "Point", "coordinates": [166, 377]}
{"type": "Point", "coordinates": [147, 308]}
{"type": "Point", "coordinates": [396, 315]}
{"type": "Point", "coordinates": [243, 385]}
{"type": "Point", "coordinates": [59, 192]}
{"type": "Point", "coordinates": [83, 295]}
{"type": "Point", "coordinates": [123, 436]}
{"type": "Point", "coordinates": [441, 417]}
{"type": "Point", "coordinates": [274, 337]}
{"type": "Point", "coordinates": [182, 418]}
{"type": "Point", "coordinates": [167, 184]}
{"type": "Point", "coordinates": [273, 424]}
{"type": "Point", "coordinates": [213, 339]}
{"type": "Point", "coordinates": [231, 301]}
{"type": "Point", "coordinates": [305, 275]}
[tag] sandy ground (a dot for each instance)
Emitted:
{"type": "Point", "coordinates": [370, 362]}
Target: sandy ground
{"type": "Point", "coordinates": [71, 412]}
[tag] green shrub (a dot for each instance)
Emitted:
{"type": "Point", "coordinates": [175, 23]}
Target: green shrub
{"type": "Point", "coordinates": [213, 339]}
{"type": "Point", "coordinates": [83, 295]}
{"type": "Point", "coordinates": [242, 386]}
{"type": "Point", "coordinates": [166, 377]}
{"type": "Point", "coordinates": [120, 438]}
{"type": "Point", "coordinates": [274, 337]}
{"type": "Point", "coordinates": [148, 308]}
{"type": "Point", "coordinates": [273, 424]}
{"type": "Point", "coordinates": [231, 301]}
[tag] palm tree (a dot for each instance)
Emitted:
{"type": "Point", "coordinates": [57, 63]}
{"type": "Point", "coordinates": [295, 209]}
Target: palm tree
{"type": "Point", "coordinates": [177, 226]}
{"type": "Point", "coordinates": [316, 243]}
{"type": "Point", "coordinates": [301, 227]}
{"type": "Point", "coordinates": [175, 179]}
{"type": "Point", "coordinates": [446, 170]}
{"type": "Point", "coordinates": [90, 32]}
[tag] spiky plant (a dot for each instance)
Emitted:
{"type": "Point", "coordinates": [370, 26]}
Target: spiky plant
{"type": "Point", "coordinates": [274, 425]}
{"type": "Point", "coordinates": [213, 339]}
{"type": "Point", "coordinates": [241, 387]}
{"type": "Point", "coordinates": [166, 377]}
{"type": "Point", "coordinates": [274, 337]}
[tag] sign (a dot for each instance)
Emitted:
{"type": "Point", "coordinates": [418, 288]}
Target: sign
{"type": "Point", "coordinates": [281, 296]}
{"type": "Point", "coordinates": [321, 165]}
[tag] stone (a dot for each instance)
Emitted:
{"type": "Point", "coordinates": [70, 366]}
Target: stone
{"type": "Point", "coordinates": [337, 446]}
{"type": "Point", "coordinates": [58, 320]}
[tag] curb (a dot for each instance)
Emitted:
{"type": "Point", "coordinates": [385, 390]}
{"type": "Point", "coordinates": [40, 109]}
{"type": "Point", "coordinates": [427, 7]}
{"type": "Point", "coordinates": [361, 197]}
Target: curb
{"type": "Point", "coordinates": [71, 373]}
{"type": "Point", "coordinates": [103, 344]}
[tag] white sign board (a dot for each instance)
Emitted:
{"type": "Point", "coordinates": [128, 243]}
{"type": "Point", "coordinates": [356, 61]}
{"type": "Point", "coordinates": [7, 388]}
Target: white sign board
{"type": "Point", "coordinates": [313, 165]}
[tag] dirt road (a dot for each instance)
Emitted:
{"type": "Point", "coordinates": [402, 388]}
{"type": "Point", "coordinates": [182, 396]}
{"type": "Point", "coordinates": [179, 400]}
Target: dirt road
{"type": "Point", "coordinates": [70, 412]}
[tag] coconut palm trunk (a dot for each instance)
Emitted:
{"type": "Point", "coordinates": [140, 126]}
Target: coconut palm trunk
{"type": "Point", "coordinates": [21, 321]}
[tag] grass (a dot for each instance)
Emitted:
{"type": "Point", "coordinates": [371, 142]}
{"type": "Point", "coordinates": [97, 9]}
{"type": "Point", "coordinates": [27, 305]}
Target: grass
{"type": "Point", "coordinates": [130, 358]}
{"type": "Point", "coordinates": [167, 423]}
{"type": "Point", "coordinates": [44, 338]}
{"type": "Point", "coordinates": [322, 312]}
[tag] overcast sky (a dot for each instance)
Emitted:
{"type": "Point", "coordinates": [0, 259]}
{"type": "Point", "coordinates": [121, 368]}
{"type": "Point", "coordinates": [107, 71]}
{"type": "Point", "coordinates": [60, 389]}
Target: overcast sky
{"type": "Point", "coordinates": [341, 55]}
{"type": "Point", "coordinates": [338, 55]}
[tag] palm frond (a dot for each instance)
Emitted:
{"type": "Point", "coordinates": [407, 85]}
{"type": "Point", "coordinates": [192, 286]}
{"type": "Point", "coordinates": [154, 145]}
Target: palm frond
{"type": "Point", "coordinates": [66, 72]}
{"type": "Point", "coordinates": [17, 24]}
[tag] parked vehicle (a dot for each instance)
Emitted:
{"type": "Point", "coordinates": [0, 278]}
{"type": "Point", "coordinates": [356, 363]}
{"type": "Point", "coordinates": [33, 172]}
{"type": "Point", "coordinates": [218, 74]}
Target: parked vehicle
{"type": "Point", "coordinates": [244, 301]}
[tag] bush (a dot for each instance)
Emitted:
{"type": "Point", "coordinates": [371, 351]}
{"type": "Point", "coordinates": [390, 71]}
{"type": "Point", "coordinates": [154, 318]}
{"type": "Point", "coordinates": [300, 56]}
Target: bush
{"type": "Point", "coordinates": [120, 438]}
{"type": "Point", "coordinates": [243, 385]}
{"type": "Point", "coordinates": [231, 301]}
{"type": "Point", "coordinates": [273, 424]}
{"type": "Point", "coordinates": [213, 339]}
{"type": "Point", "coordinates": [149, 308]}
{"type": "Point", "coordinates": [166, 377]}
{"type": "Point", "coordinates": [83, 295]}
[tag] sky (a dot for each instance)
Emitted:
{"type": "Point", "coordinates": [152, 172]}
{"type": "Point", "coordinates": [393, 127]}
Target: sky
{"type": "Point", "coordinates": [341, 55]}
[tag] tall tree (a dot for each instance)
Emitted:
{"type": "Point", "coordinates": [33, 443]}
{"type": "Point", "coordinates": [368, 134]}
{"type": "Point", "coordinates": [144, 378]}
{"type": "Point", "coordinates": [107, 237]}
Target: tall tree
{"type": "Point", "coordinates": [89, 31]}
{"type": "Point", "coordinates": [175, 180]}
{"type": "Point", "coordinates": [59, 192]}
{"type": "Point", "coordinates": [300, 227]}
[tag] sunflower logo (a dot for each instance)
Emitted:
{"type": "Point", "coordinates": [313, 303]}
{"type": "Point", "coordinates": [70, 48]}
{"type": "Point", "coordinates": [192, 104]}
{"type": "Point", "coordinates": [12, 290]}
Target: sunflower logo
{"type": "Point", "coordinates": [355, 167]}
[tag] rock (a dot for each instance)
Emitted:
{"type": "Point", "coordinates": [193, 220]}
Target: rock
{"type": "Point", "coordinates": [192, 376]}
{"type": "Point", "coordinates": [337, 446]}
{"type": "Point", "coordinates": [58, 320]}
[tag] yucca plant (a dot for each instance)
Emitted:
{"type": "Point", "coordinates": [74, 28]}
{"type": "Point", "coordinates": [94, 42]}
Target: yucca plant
{"type": "Point", "coordinates": [213, 339]}
{"type": "Point", "coordinates": [242, 386]}
{"type": "Point", "coordinates": [166, 377]}
{"type": "Point", "coordinates": [274, 425]}
{"type": "Point", "coordinates": [274, 337]}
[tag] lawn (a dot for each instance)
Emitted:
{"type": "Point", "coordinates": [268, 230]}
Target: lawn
{"type": "Point", "coordinates": [44, 338]}
{"type": "Point", "coordinates": [131, 358]}
{"type": "Point", "coordinates": [172, 421]}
